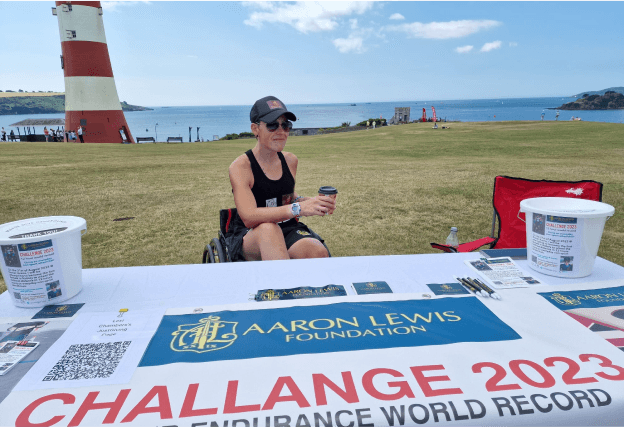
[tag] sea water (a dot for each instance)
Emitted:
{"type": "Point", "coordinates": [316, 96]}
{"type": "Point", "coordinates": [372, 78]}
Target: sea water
{"type": "Point", "coordinates": [217, 121]}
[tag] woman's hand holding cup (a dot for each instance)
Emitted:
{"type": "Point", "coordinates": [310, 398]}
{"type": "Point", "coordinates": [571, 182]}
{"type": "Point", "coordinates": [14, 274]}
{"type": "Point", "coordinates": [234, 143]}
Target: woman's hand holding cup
{"type": "Point", "coordinates": [330, 192]}
{"type": "Point", "coordinates": [319, 205]}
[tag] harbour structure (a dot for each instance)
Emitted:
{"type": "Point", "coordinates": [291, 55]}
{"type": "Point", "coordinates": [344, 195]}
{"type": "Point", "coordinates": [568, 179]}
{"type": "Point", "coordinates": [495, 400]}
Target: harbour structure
{"type": "Point", "coordinates": [91, 99]}
{"type": "Point", "coordinates": [402, 114]}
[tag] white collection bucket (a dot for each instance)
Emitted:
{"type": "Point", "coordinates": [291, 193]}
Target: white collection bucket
{"type": "Point", "coordinates": [41, 259]}
{"type": "Point", "coordinates": [563, 234]}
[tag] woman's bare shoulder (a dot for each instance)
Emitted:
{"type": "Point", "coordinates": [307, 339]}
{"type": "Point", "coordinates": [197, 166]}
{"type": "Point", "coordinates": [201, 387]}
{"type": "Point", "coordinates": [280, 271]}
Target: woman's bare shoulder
{"type": "Point", "coordinates": [240, 163]}
{"type": "Point", "coordinates": [290, 158]}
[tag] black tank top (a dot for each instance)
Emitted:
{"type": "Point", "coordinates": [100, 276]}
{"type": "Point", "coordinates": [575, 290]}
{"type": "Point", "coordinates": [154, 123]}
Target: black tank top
{"type": "Point", "coordinates": [268, 192]}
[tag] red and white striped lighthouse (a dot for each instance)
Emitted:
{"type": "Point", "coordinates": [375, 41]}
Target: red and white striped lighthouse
{"type": "Point", "coordinates": [91, 99]}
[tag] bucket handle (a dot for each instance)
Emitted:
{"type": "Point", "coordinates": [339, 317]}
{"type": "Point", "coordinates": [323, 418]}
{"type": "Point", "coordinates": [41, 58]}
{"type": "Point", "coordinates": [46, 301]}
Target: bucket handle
{"type": "Point", "coordinates": [520, 218]}
{"type": "Point", "coordinates": [83, 232]}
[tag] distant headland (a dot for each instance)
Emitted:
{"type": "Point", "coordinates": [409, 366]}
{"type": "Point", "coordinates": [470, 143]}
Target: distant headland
{"type": "Point", "coordinates": [42, 103]}
{"type": "Point", "coordinates": [585, 94]}
{"type": "Point", "coordinates": [610, 100]}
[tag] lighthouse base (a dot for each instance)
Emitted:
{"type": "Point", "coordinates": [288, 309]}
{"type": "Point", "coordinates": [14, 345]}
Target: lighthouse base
{"type": "Point", "coordinates": [107, 126]}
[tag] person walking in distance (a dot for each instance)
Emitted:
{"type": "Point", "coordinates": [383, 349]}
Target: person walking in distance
{"type": "Point", "coordinates": [80, 134]}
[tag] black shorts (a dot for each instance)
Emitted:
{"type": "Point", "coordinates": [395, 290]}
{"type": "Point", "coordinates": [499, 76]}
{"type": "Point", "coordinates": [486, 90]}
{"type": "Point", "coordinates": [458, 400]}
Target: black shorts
{"type": "Point", "coordinates": [293, 231]}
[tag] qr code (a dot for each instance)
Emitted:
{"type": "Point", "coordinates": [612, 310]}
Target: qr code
{"type": "Point", "coordinates": [534, 259]}
{"type": "Point", "coordinates": [88, 361]}
{"type": "Point", "coordinates": [17, 295]}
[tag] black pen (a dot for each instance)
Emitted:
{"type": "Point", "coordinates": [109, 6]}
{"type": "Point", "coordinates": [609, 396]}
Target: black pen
{"type": "Point", "coordinates": [469, 286]}
{"type": "Point", "coordinates": [487, 289]}
{"type": "Point", "coordinates": [476, 285]}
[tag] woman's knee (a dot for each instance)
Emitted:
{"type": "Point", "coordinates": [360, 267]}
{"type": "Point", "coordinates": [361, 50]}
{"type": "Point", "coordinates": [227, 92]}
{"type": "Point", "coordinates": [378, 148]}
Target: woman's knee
{"type": "Point", "coordinates": [308, 248]}
{"type": "Point", "coordinates": [321, 251]}
{"type": "Point", "coordinates": [267, 228]}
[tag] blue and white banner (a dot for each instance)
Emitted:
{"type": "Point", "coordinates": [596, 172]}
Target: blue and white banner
{"type": "Point", "coordinates": [352, 326]}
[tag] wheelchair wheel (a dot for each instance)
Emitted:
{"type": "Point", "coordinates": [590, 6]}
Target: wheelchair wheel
{"type": "Point", "coordinates": [216, 251]}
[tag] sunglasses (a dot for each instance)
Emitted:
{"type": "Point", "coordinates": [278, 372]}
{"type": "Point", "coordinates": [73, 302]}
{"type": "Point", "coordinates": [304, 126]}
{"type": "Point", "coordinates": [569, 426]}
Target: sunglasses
{"type": "Point", "coordinates": [272, 127]}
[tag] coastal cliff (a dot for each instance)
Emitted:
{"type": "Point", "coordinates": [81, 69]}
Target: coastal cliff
{"type": "Point", "coordinates": [609, 101]}
{"type": "Point", "coordinates": [27, 103]}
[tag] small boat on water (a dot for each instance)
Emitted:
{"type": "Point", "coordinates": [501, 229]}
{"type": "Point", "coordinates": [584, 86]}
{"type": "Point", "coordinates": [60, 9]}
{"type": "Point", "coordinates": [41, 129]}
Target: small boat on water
{"type": "Point", "coordinates": [353, 105]}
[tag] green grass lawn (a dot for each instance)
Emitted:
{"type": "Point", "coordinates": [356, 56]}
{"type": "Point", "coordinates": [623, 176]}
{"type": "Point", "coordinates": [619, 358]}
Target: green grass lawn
{"type": "Point", "coordinates": [400, 187]}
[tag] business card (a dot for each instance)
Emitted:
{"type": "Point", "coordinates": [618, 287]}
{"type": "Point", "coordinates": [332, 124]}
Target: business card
{"type": "Point", "coordinates": [367, 288]}
{"type": "Point", "coordinates": [59, 310]}
{"type": "Point", "coordinates": [447, 288]}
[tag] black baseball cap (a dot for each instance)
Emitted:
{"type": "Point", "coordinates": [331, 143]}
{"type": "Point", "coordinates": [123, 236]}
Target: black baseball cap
{"type": "Point", "coordinates": [269, 109]}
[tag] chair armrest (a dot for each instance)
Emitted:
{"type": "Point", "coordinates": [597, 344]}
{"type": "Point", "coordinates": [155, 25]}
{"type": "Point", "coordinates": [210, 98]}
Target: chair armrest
{"type": "Point", "coordinates": [464, 247]}
{"type": "Point", "coordinates": [475, 244]}
{"type": "Point", "coordinates": [444, 248]}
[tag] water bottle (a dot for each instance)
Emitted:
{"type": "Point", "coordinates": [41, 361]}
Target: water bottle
{"type": "Point", "coordinates": [452, 240]}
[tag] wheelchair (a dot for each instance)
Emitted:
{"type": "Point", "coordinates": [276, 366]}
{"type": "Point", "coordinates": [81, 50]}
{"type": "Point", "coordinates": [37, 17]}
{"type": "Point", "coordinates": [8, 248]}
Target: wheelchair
{"type": "Point", "coordinates": [216, 251]}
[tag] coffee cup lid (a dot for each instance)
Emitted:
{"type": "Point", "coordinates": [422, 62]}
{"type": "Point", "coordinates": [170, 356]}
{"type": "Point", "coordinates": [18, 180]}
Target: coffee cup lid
{"type": "Point", "coordinates": [326, 189]}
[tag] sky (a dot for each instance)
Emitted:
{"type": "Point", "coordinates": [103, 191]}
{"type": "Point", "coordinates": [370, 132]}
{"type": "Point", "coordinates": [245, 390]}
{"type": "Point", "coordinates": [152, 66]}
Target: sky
{"type": "Point", "coordinates": [166, 53]}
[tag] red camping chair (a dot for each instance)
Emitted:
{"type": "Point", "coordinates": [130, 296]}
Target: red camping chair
{"type": "Point", "coordinates": [508, 193]}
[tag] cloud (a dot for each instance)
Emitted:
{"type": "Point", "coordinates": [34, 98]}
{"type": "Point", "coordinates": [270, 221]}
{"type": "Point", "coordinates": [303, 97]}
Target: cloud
{"type": "Point", "coordinates": [397, 17]}
{"type": "Point", "coordinates": [266, 5]}
{"type": "Point", "coordinates": [464, 49]}
{"type": "Point", "coordinates": [513, 44]}
{"type": "Point", "coordinates": [350, 44]}
{"type": "Point", "coordinates": [111, 6]}
{"type": "Point", "coordinates": [444, 30]}
{"type": "Point", "coordinates": [491, 46]}
{"type": "Point", "coordinates": [353, 23]}
{"type": "Point", "coordinates": [305, 17]}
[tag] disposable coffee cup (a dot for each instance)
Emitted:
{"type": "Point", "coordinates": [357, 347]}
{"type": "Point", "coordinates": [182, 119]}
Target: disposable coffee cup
{"type": "Point", "coordinates": [328, 191]}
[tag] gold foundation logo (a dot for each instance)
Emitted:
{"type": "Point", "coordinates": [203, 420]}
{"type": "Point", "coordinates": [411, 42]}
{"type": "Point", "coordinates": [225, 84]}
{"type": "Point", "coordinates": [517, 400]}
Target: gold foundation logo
{"type": "Point", "coordinates": [564, 300]}
{"type": "Point", "coordinates": [269, 295]}
{"type": "Point", "coordinates": [303, 233]}
{"type": "Point", "coordinates": [446, 287]}
{"type": "Point", "coordinates": [61, 309]}
{"type": "Point", "coordinates": [211, 333]}
{"type": "Point", "coordinates": [24, 246]}
{"type": "Point", "coordinates": [371, 285]}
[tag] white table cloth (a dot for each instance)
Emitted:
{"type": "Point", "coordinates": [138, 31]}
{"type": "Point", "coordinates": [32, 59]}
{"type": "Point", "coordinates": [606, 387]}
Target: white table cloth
{"type": "Point", "coordinates": [450, 383]}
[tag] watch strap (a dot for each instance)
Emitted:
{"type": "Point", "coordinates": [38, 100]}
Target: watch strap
{"type": "Point", "coordinates": [295, 209]}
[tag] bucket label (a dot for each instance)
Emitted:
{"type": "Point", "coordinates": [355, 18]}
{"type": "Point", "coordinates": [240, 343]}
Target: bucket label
{"type": "Point", "coordinates": [38, 233]}
{"type": "Point", "coordinates": [555, 243]}
{"type": "Point", "coordinates": [32, 272]}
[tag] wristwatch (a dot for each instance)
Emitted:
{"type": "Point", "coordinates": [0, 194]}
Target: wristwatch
{"type": "Point", "coordinates": [295, 209]}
